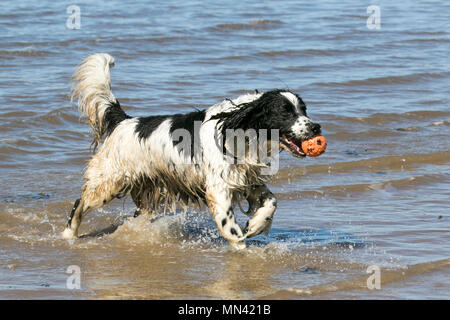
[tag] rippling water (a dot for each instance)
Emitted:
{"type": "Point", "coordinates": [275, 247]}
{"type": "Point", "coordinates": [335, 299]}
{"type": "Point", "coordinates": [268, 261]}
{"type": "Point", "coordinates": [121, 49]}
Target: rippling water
{"type": "Point", "coordinates": [378, 196]}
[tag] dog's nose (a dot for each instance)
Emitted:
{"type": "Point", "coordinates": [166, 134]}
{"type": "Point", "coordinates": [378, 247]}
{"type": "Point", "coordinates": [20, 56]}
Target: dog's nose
{"type": "Point", "coordinates": [315, 128]}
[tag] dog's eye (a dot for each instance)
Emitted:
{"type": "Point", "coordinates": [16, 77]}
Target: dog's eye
{"type": "Point", "coordinates": [286, 113]}
{"type": "Point", "coordinates": [287, 109]}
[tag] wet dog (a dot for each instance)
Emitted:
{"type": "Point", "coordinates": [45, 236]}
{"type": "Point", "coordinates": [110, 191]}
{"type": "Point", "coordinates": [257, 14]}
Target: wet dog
{"type": "Point", "coordinates": [144, 157]}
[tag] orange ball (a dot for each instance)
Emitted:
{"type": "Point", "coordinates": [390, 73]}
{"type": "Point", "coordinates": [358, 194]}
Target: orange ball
{"type": "Point", "coordinates": [314, 147]}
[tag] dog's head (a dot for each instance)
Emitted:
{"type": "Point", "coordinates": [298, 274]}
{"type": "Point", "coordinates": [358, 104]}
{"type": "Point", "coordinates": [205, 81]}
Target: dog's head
{"type": "Point", "coordinates": [281, 110]}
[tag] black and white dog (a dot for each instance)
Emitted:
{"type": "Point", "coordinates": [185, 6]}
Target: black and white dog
{"type": "Point", "coordinates": [140, 156]}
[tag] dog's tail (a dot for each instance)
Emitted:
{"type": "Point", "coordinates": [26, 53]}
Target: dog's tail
{"type": "Point", "coordinates": [92, 88]}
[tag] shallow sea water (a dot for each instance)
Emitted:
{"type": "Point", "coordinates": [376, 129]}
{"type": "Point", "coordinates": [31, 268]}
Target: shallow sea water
{"type": "Point", "coordinates": [378, 197]}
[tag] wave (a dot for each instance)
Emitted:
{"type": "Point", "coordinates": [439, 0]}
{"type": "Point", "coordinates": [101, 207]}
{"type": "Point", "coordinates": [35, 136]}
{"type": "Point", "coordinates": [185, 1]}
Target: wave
{"type": "Point", "coordinates": [421, 41]}
{"type": "Point", "coordinates": [252, 25]}
{"type": "Point", "coordinates": [388, 276]}
{"type": "Point", "coordinates": [390, 186]}
{"type": "Point", "coordinates": [393, 163]}
{"type": "Point", "coordinates": [25, 53]}
{"type": "Point", "coordinates": [388, 80]}
{"type": "Point", "coordinates": [386, 118]}
{"type": "Point", "coordinates": [306, 52]}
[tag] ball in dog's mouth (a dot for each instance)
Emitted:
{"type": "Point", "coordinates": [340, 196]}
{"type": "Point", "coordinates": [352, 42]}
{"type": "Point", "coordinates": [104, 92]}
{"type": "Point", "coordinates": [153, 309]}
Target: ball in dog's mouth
{"type": "Point", "coordinates": [313, 147]}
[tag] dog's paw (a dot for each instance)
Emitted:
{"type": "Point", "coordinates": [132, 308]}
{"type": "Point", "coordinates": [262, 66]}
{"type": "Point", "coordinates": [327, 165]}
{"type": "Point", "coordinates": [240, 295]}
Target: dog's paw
{"type": "Point", "coordinates": [68, 234]}
{"type": "Point", "coordinates": [258, 224]}
{"type": "Point", "coordinates": [238, 245]}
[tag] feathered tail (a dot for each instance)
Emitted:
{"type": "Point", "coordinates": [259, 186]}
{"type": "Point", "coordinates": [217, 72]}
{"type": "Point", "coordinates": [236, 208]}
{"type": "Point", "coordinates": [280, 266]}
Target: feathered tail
{"type": "Point", "coordinates": [92, 88]}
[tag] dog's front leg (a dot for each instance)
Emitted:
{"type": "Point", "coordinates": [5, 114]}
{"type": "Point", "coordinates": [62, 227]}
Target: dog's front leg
{"type": "Point", "coordinates": [266, 203]}
{"type": "Point", "coordinates": [219, 202]}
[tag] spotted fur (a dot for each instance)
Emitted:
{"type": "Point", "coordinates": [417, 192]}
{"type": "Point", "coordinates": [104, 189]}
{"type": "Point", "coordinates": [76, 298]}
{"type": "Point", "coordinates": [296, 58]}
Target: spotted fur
{"type": "Point", "coordinates": [144, 157]}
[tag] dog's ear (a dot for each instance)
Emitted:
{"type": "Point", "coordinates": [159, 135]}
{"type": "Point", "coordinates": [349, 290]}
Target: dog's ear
{"type": "Point", "coordinates": [240, 118]}
{"type": "Point", "coordinates": [252, 114]}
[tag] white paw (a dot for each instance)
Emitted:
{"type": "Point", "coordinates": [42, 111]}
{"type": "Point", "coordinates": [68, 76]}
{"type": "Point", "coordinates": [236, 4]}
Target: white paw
{"type": "Point", "coordinates": [261, 222]}
{"type": "Point", "coordinates": [238, 245]}
{"type": "Point", "coordinates": [68, 234]}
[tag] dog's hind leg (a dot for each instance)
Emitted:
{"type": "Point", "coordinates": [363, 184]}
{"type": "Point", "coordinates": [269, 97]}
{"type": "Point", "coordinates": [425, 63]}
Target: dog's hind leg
{"type": "Point", "coordinates": [74, 221]}
{"type": "Point", "coordinates": [68, 231]}
{"type": "Point", "coordinates": [266, 204]}
{"type": "Point", "coordinates": [93, 196]}
{"type": "Point", "coordinates": [220, 204]}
